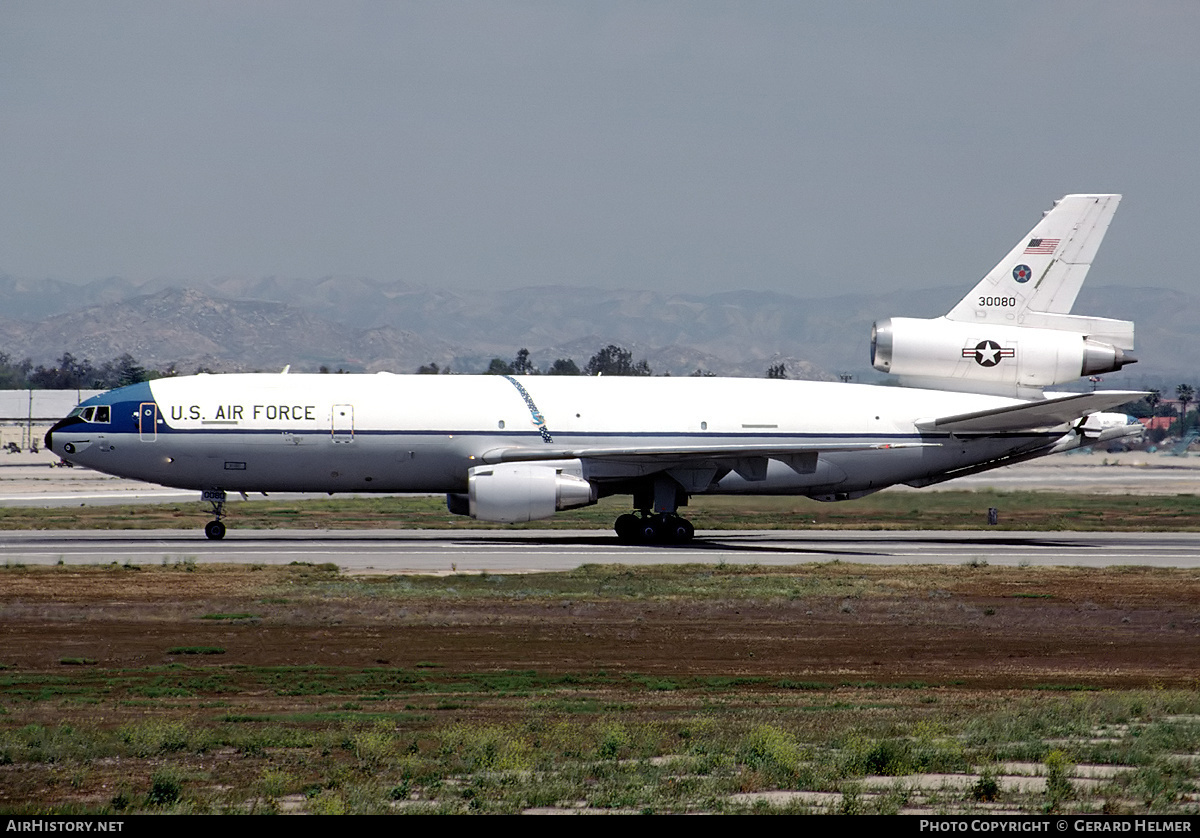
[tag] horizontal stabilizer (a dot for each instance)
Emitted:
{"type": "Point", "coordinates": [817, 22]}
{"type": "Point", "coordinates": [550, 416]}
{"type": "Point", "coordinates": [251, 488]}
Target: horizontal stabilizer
{"type": "Point", "coordinates": [1031, 416]}
{"type": "Point", "coordinates": [1119, 333]}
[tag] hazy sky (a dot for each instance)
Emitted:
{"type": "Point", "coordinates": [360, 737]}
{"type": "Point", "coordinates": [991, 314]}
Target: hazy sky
{"type": "Point", "coordinates": [812, 147]}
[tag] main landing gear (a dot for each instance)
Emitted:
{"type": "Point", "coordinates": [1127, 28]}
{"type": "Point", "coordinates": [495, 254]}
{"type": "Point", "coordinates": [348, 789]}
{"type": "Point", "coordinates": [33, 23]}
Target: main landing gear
{"type": "Point", "coordinates": [656, 521]}
{"type": "Point", "coordinates": [215, 529]}
{"type": "Point", "coordinates": [646, 527]}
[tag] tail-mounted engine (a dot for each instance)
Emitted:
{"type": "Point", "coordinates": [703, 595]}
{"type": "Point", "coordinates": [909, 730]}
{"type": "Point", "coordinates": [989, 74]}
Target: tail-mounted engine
{"type": "Point", "coordinates": [1002, 360]}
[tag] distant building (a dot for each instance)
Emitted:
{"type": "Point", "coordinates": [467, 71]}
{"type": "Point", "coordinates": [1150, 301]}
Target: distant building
{"type": "Point", "coordinates": [27, 414]}
{"type": "Point", "coordinates": [1157, 423]}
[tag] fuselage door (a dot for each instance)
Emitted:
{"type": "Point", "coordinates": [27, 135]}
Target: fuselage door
{"type": "Point", "coordinates": [148, 421]}
{"type": "Point", "coordinates": [343, 423]}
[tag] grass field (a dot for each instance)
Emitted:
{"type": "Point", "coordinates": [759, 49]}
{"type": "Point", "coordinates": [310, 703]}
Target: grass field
{"type": "Point", "coordinates": [821, 688]}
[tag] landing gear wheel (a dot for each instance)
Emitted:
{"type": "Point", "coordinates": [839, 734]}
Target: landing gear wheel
{"type": "Point", "coordinates": [650, 529]}
{"type": "Point", "coordinates": [627, 527]}
{"type": "Point", "coordinates": [214, 530]}
{"type": "Point", "coordinates": [681, 530]}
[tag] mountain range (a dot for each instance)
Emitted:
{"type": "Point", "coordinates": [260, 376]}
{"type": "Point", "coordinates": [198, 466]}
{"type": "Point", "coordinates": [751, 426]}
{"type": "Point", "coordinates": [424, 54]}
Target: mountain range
{"type": "Point", "coordinates": [359, 324]}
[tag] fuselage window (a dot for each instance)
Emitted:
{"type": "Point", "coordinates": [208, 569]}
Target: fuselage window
{"type": "Point", "coordinates": [102, 413]}
{"type": "Point", "coordinates": [88, 413]}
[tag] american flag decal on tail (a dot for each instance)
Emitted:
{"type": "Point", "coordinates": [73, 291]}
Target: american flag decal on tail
{"type": "Point", "coordinates": [1042, 245]}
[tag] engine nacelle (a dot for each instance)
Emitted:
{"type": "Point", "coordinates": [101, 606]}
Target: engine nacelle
{"type": "Point", "coordinates": [987, 358]}
{"type": "Point", "coordinates": [514, 492]}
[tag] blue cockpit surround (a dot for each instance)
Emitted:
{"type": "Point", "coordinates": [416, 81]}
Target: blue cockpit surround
{"type": "Point", "coordinates": [125, 403]}
{"type": "Point", "coordinates": [137, 393]}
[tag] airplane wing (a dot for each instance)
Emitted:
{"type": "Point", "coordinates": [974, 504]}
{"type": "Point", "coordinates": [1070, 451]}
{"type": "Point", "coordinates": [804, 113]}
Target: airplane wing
{"type": "Point", "coordinates": [676, 453]}
{"type": "Point", "coordinates": [1031, 416]}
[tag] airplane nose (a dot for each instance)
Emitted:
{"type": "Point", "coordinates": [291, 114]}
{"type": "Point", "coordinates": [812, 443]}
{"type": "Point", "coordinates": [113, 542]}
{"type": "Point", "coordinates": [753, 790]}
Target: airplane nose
{"type": "Point", "coordinates": [50, 435]}
{"type": "Point", "coordinates": [59, 425]}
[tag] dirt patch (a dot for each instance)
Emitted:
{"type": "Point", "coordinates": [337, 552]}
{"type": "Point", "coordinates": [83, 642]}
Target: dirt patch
{"type": "Point", "coordinates": [985, 626]}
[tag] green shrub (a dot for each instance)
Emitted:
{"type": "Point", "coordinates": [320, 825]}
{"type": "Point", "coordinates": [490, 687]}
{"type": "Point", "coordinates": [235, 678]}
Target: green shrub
{"type": "Point", "coordinates": [165, 788]}
{"type": "Point", "coordinates": [1058, 780]}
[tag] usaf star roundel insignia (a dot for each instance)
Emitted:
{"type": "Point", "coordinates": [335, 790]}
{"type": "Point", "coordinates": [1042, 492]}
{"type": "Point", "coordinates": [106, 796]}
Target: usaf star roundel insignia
{"type": "Point", "coordinates": [1021, 273]}
{"type": "Point", "coordinates": [987, 353]}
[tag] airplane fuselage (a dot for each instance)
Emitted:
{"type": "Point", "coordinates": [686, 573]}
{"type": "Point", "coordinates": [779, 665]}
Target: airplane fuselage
{"type": "Point", "coordinates": [412, 433]}
{"type": "Point", "coordinates": [510, 449]}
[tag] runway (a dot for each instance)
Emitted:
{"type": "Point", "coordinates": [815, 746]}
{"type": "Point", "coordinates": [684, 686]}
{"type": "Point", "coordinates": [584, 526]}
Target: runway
{"type": "Point", "coordinates": [528, 551]}
{"type": "Point", "coordinates": [30, 480]}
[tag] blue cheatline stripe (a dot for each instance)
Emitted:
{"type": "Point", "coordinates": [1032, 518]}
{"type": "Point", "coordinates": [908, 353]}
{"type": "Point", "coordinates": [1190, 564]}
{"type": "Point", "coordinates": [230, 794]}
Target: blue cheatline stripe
{"type": "Point", "coordinates": [538, 419]}
{"type": "Point", "coordinates": [708, 436]}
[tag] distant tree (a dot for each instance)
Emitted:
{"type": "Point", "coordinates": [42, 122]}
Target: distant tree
{"type": "Point", "coordinates": [1152, 399]}
{"type": "Point", "coordinates": [106, 376]}
{"type": "Point", "coordinates": [614, 360]}
{"type": "Point", "coordinates": [700, 373]}
{"type": "Point", "coordinates": [499, 366]}
{"type": "Point", "coordinates": [128, 371]}
{"type": "Point", "coordinates": [521, 365]}
{"type": "Point", "coordinates": [564, 366]}
{"type": "Point", "coordinates": [1137, 408]}
{"type": "Point", "coordinates": [14, 375]}
{"type": "Point", "coordinates": [777, 371]}
{"type": "Point", "coordinates": [69, 373]}
{"type": "Point", "coordinates": [1186, 395]}
{"type": "Point", "coordinates": [428, 369]}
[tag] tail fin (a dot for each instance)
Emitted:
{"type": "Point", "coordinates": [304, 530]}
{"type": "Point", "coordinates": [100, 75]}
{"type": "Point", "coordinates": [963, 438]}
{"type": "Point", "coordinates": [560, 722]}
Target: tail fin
{"type": "Point", "coordinates": [1014, 334]}
{"type": "Point", "coordinates": [1037, 282]}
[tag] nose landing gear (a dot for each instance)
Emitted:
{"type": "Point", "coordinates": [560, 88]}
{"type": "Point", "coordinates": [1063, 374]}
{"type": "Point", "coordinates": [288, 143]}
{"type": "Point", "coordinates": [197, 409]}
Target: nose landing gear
{"type": "Point", "coordinates": [214, 529]}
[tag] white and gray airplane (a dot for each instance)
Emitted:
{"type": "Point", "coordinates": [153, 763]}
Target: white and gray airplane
{"type": "Point", "coordinates": [520, 448]}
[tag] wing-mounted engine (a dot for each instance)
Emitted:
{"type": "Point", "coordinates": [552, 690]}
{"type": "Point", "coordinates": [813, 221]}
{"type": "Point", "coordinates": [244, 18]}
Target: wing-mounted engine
{"type": "Point", "coordinates": [514, 492]}
{"type": "Point", "coordinates": [1014, 335]}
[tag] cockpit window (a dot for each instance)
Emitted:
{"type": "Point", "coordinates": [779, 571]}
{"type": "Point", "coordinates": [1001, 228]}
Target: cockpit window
{"type": "Point", "coordinates": [96, 413]}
